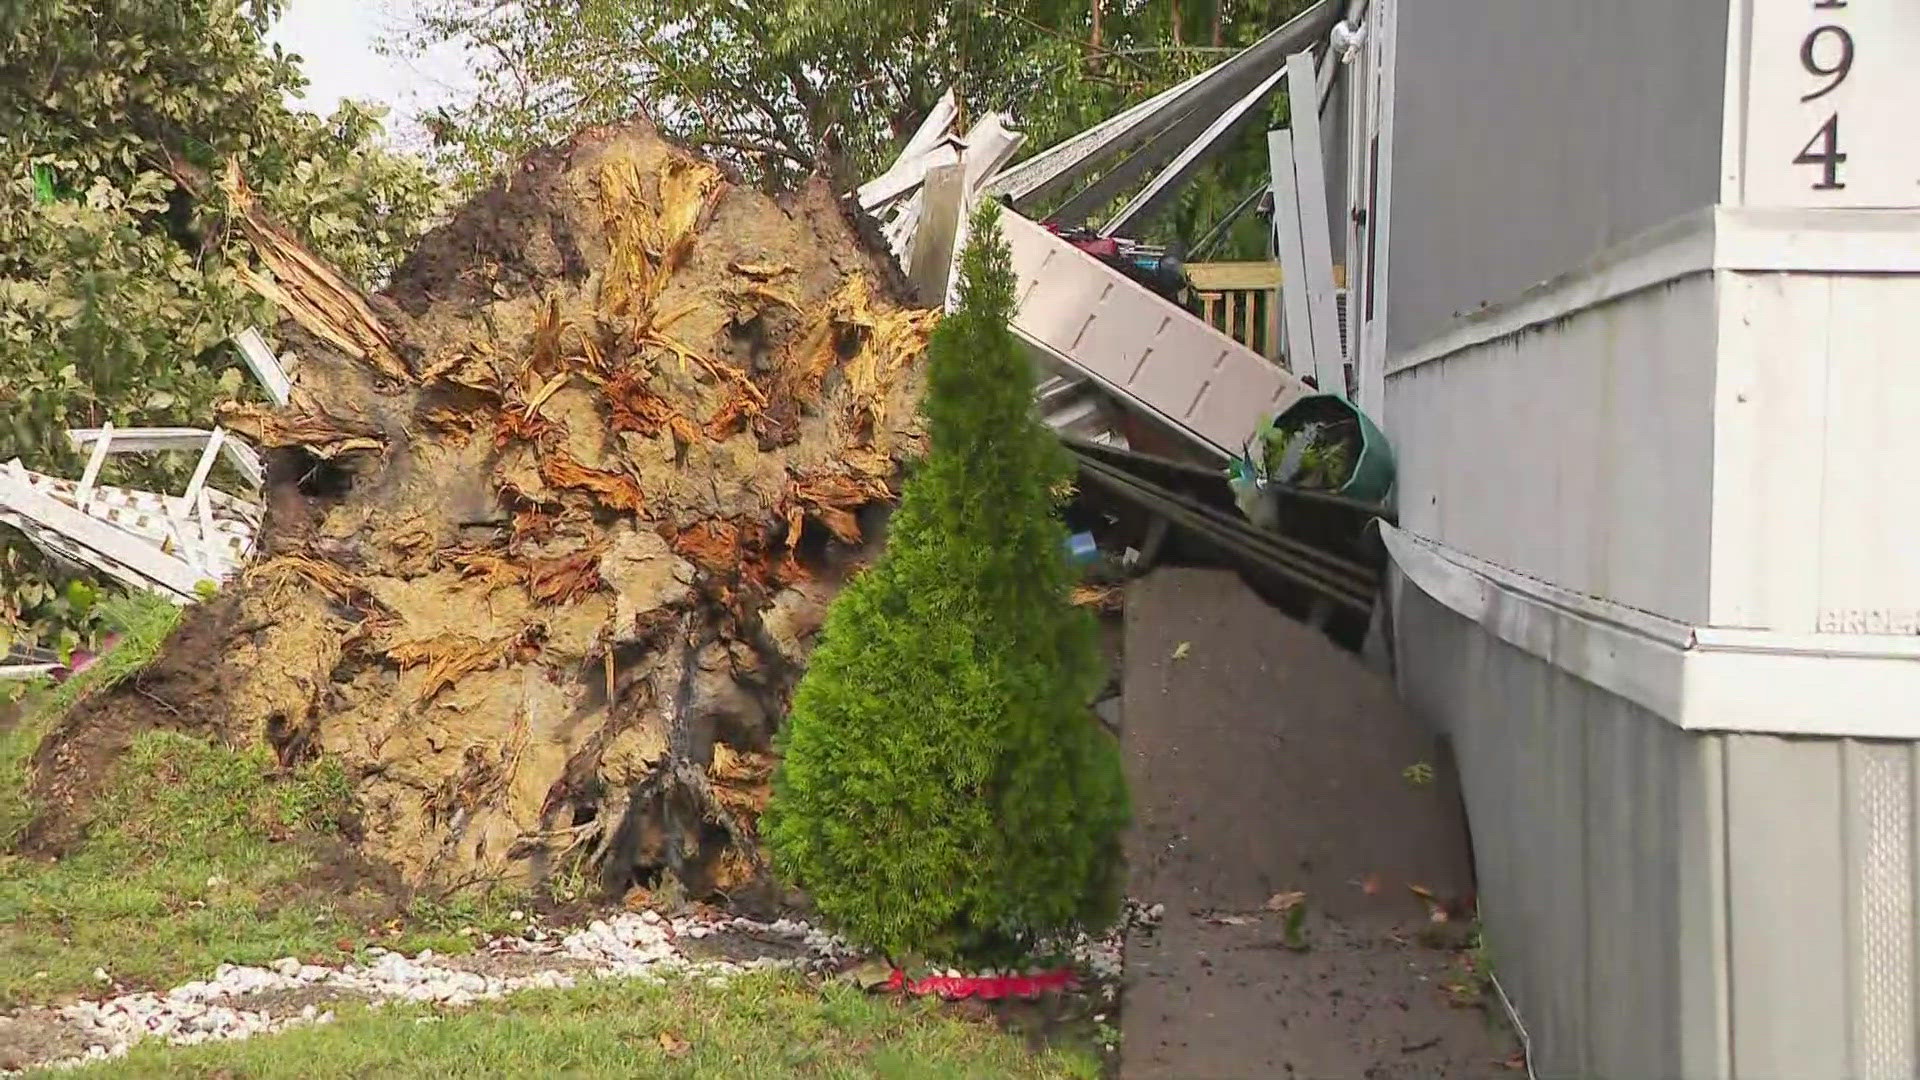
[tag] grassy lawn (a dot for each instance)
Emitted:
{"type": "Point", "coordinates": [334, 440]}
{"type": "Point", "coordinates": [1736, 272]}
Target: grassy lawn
{"type": "Point", "coordinates": [760, 1026]}
{"type": "Point", "coordinates": [199, 855]}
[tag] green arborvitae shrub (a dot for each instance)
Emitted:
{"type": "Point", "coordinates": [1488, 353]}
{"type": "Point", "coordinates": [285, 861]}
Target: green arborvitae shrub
{"type": "Point", "coordinates": [945, 790]}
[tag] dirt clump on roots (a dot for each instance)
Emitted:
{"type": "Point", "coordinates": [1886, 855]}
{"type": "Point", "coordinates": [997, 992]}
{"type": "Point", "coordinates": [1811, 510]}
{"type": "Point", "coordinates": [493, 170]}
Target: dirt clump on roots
{"type": "Point", "coordinates": [552, 521]}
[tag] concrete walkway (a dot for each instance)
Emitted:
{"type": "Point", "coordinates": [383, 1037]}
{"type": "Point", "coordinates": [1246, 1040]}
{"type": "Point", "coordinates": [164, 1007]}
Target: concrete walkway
{"type": "Point", "coordinates": [1264, 762]}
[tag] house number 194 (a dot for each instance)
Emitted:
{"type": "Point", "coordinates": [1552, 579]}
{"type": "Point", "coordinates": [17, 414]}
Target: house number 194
{"type": "Point", "coordinates": [1826, 54]}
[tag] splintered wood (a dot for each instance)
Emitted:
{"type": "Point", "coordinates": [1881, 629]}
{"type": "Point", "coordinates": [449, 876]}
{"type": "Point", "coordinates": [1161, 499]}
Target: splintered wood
{"type": "Point", "coordinates": [313, 429]}
{"type": "Point", "coordinates": [312, 293]}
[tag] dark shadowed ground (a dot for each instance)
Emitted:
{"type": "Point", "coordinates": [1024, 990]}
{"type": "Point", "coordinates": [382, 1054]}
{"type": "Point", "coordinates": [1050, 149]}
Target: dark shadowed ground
{"type": "Point", "coordinates": [1265, 762]}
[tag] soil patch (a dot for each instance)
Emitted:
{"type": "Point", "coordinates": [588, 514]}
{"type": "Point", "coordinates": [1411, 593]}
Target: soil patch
{"type": "Point", "coordinates": [31, 1038]}
{"type": "Point", "coordinates": [1266, 762]}
{"type": "Point", "coordinates": [512, 965]}
{"type": "Point", "coordinates": [179, 691]}
{"type": "Point", "coordinates": [742, 947]}
{"type": "Point", "coordinates": [291, 1000]}
{"type": "Point", "coordinates": [356, 887]}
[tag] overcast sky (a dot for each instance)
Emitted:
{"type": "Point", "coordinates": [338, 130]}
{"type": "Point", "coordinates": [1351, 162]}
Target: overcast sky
{"type": "Point", "coordinates": [336, 39]}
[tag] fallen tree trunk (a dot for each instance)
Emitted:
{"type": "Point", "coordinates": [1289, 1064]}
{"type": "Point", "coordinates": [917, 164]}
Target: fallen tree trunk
{"type": "Point", "coordinates": [552, 521]}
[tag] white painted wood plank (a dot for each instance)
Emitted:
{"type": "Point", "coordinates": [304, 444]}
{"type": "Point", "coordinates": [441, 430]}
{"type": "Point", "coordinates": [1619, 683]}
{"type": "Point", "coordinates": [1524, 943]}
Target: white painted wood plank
{"type": "Point", "coordinates": [933, 128]}
{"type": "Point", "coordinates": [205, 466]}
{"type": "Point", "coordinates": [244, 458]}
{"type": "Point", "coordinates": [905, 172]}
{"type": "Point", "coordinates": [94, 461]}
{"type": "Point", "coordinates": [937, 238]}
{"type": "Point", "coordinates": [990, 145]}
{"type": "Point", "coordinates": [175, 574]}
{"type": "Point", "coordinates": [1310, 184]}
{"type": "Point", "coordinates": [1287, 246]}
{"type": "Point", "coordinates": [264, 365]}
{"type": "Point", "coordinates": [907, 176]}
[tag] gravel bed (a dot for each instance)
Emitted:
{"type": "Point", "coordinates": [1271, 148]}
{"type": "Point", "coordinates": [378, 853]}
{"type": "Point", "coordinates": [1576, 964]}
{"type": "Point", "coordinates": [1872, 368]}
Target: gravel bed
{"type": "Point", "coordinates": [239, 1002]}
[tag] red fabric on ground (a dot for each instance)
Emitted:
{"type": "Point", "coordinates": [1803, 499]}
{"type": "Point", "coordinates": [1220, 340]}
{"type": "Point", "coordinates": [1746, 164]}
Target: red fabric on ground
{"type": "Point", "coordinates": [986, 987]}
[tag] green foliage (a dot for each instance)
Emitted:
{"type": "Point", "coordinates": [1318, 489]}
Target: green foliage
{"type": "Point", "coordinates": [944, 789]}
{"type": "Point", "coordinates": [117, 290]}
{"type": "Point", "coordinates": [1315, 454]}
{"type": "Point", "coordinates": [787, 88]}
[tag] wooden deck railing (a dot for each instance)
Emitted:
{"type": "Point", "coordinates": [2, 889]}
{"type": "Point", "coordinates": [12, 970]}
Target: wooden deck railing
{"type": "Point", "coordinates": [1241, 300]}
{"type": "Point", "coordinates": [1238, 299]}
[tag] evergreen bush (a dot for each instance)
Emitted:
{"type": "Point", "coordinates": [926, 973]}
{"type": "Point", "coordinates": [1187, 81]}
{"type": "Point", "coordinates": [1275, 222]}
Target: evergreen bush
{"type": "Point", "coordinates": [945, 790]}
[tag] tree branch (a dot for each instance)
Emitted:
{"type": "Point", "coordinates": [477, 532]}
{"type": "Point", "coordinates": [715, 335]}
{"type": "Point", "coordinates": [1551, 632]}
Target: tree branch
{"type": "Point", "coordinates": [748, 146]}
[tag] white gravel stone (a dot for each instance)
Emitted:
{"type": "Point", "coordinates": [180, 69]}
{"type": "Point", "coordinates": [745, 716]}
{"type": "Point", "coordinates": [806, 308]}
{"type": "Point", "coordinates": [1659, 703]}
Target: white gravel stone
{"type": "Point", "coordinates": [630, 945]}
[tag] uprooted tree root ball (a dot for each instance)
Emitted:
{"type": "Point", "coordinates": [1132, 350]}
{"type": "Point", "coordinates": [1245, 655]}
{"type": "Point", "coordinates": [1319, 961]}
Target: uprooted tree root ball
{"type": "Point", "coordinates": [552, 521]}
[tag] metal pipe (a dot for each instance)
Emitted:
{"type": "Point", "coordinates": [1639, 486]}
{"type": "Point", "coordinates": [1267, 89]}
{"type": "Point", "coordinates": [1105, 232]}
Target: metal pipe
{"type": "Point", "coordinates": [1344, 582]}
{"type": "Point", "coordinates": [1356, 11]}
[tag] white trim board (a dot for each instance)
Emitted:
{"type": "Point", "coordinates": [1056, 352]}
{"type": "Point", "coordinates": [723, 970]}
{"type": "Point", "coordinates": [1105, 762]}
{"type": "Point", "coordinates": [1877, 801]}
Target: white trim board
{"type": "Point", "coordinates": [1698, 678]}
{"type": "Point", "coordinates": [1810, 241]}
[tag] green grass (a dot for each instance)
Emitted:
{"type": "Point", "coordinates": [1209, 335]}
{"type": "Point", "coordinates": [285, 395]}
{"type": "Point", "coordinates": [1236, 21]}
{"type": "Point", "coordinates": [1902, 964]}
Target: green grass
{"type": "Point", "coordinates": [761, 1026]}
{"type": "Point", "coordinates": [143, 621]}
{"type": "Point", "coordinates": [200, 855]}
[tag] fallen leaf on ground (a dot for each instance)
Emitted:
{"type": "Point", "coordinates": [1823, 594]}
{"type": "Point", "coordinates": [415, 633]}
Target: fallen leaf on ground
{"type": "Point", "coordinates": [871, 974]}
{"type": "Point", "coordinates": [674, 1045]}
{"type": "Point", "coordinates": [1370, 884]}
{"type": "Point", "coordinates": [1286, 901]}
{"type": "Point", "coordinates": [1423, 893]}
{"type": "Point", "coordinates": [1517, 1062]}
{"type": "Point", "coordinates": [1183, 650]}
{"type": "Point", "coordinates": [1231, 920]}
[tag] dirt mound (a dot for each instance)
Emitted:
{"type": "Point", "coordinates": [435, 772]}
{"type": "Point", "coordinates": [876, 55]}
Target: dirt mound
{"type": "Point", "coordinates": [553, 520]}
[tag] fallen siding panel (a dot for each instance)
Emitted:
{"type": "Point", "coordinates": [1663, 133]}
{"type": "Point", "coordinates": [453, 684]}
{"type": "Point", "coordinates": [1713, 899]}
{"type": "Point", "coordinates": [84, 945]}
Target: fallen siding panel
{"type": "Point", "coordinates": [1151, 353]}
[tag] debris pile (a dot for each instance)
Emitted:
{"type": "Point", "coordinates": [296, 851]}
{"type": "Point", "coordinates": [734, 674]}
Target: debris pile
{"type": "Point", "coordinates": [552, 521]}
